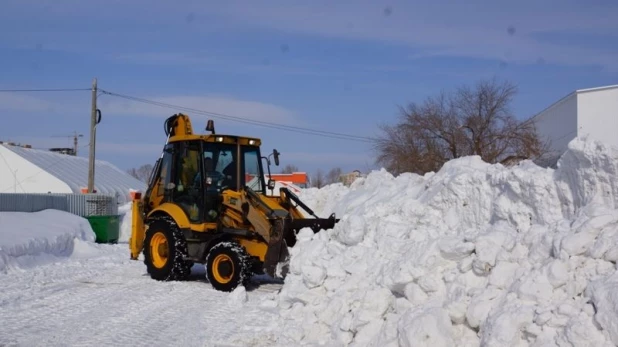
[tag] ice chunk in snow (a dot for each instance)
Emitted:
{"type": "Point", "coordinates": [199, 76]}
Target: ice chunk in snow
{"type": "Point", "coordinates": [503, 274]}
{"type": "Point", "coordinates": [429, 327]}
{"type": "Point", "coordinates": [604, 294]}
{"type": "Point", "coordinates": [351, 230]}
{"type": "Point", "coordinates": [535, 287]}
{"type": "Point", "coordinates": [506, 323]}
{"type": "Point", "coordinates": [557, 273]}
{"type": "Point", "coordinates": [455, 249]}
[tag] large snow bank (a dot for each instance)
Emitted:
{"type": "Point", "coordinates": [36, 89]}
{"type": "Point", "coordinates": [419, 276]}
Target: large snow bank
{"type": "Point", "coordinates": [32, 238]}
{"type": "Point", "coordinates": [475, 254]}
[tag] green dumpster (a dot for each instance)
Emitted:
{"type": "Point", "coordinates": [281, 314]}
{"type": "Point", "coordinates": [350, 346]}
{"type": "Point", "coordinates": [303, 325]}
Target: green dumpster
{"type": "Point", "coordinates": [106, 228]}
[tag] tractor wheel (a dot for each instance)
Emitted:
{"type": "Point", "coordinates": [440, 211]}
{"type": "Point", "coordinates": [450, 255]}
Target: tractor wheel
{"type": "Point", "coordinates": [228, 265]}
{"type": "Point", "coordinates": [165, 248]}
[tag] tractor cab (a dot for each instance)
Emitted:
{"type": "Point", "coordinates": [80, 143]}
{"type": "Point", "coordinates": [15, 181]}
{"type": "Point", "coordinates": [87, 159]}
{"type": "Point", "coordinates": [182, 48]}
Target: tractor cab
{"type": "Point", "coordinates": [194, 171]}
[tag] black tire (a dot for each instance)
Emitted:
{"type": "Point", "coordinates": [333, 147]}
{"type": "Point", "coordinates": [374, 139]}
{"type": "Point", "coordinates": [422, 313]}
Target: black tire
{"type": "Point", "coordinates": [228, 265]}
{"type": "Point", "coordinates": [166, 263]}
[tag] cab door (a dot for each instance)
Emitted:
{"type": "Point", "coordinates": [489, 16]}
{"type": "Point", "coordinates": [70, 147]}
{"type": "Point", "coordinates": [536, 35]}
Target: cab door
{"type": "Point", "coordinates": [187, 182]}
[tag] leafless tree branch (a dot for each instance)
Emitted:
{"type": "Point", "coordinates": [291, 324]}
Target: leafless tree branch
{"type": "Point", "coordinates": [470, 121]}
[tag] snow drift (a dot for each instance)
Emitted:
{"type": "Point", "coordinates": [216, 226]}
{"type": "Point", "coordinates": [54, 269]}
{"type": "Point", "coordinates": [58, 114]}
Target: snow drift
{"type": "Point", "coordinates": [33, 238]}
{"type": "Point", "coordinates": [475, 254]}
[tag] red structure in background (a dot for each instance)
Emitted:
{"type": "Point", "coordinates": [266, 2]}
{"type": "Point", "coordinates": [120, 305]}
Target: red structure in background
{"type": "Point", "coordinates": [300, 179]}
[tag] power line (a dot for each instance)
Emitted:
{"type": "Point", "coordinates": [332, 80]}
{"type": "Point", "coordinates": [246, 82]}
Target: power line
{"type": "Point", "coordinates": [245, 120]}
{"type": "Point", "coordinates": [43, 90]}
{"type": "Point", "coordinates": [302, 130]}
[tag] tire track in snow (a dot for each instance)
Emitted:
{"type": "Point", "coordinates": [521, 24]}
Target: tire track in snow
{"type": "Point", "coordinates": [109, 300]}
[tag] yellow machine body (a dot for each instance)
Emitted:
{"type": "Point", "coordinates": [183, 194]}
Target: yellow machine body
{"type": "Point", "coordinates": [207, 202]}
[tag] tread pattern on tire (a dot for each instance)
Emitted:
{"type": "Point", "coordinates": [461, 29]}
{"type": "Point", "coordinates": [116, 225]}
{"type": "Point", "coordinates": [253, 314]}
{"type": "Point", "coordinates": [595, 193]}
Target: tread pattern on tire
{"type": "Point", "coordinates": [244, 261]}
{"type": "Point", "coordinates": [181, 268]}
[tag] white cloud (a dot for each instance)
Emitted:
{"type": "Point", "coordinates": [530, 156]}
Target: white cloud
{"type": "Point", "coordinates": [221, 106]}
{"type": "Point", "coordinates": [223, 62]}
{"type": "Point", "coordinates": [470, 29]}
{"type": "Point", "coordinates": [162, 58]}
{"type": "Point", "coordinates": [476, 28]}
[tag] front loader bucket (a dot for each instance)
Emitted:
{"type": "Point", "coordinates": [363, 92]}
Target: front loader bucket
{"type": "Point", "coordinates": [284, 227]}
{"type": "Point", "coordinates": [277, 248]}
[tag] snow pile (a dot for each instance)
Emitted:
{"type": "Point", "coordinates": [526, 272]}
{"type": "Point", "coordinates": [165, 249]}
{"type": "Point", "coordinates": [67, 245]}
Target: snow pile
{"type": "Point", "coordinates": [475, 254]}
{"type": "Point", "coordinates": [28, 239]}
{"type": "Point", "coordinates": [125, 222]}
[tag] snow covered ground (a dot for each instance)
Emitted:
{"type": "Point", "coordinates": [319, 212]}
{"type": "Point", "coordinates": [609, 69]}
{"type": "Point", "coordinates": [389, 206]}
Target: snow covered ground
{"type": "Point", "coordinates": [59, 288]}
{"type": "Point", "coordinates": [475, 254]}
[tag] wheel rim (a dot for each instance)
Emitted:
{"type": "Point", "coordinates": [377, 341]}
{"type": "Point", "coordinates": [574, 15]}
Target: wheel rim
{"type": "Point", "coordinates": [223, 268]}
{"type": "Point", "coordinates": [159, 250]}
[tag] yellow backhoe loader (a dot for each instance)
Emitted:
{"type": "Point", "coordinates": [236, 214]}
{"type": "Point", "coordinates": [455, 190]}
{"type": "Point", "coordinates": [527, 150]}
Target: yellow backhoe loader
{"type": "Point", "coordinates": [207, 202]}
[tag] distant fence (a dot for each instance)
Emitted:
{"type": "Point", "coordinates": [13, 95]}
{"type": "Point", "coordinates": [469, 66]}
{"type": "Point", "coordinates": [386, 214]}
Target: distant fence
{"type": "Point", "coordinates": [84, 205]}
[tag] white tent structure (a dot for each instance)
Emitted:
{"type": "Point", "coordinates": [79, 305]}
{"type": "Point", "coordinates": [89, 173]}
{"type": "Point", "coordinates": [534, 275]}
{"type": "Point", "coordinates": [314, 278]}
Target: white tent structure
{"type": "Point", "coordinates": [27, 170]}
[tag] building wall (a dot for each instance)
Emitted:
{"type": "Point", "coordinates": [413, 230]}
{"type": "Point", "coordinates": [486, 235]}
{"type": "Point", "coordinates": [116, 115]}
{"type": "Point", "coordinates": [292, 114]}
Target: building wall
{"type": "Point", "coordinates": [18, 175]}
{"type": "Point", "coordinates": [598, 115]}
{"type": "Point", "coordinates": [558, 125]}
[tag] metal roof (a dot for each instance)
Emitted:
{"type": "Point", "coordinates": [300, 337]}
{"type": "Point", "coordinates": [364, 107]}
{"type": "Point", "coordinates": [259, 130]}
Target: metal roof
{"type": "Point", "coordinates": [73, 171]}
{"type": "Point", "coordinates": [595, 89]}
{"type": "Point", "coordinates": [571, 94]}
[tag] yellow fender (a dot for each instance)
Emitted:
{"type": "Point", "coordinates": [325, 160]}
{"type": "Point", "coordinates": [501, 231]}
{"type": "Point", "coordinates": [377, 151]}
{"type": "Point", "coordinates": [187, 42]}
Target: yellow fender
{"type": "Point", "coordinates": [138, 229]}
{"type": "Point", "coordinates": [175, 212]}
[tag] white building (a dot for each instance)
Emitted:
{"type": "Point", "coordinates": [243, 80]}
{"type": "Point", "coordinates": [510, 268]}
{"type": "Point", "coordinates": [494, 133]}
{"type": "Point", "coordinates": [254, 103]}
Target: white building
{"type": "Point", "coordinates": [27, 170]}
{"type": "Point", "coordinates": [586, 112]}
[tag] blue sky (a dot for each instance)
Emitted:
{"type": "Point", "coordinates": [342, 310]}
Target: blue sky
{"type": "Point", "coordinates": [340, 66]}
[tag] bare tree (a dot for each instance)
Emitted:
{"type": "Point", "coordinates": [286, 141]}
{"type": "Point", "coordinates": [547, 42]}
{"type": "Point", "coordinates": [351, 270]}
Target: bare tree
{"type": "Point", "coordinates": [470, 121]}
{"type": "Point", "coordinates": [333, 176]}
{"type": "Point", "coordinates": [318, 179]}
{"type": "Point", "coordinates": [142, 173]}
{"type": "Point", "coordinates": [288, 169]}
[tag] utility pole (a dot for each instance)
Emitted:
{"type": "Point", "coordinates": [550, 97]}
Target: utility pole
{"type": "Point", "coordinates": [93, 134]}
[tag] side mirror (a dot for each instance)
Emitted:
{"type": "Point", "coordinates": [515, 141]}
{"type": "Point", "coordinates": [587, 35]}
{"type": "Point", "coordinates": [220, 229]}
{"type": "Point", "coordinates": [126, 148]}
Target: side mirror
{"type": "Point", "coordinates": [276, 155]}
{"type": "Point", "coordinates": [271, 184]}
{"type": "Point", "coordinates": [210, 126]}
